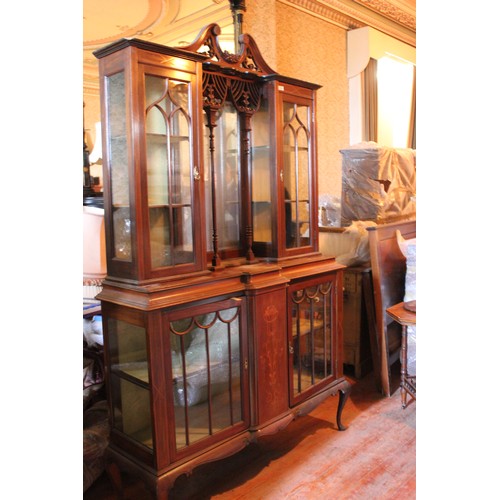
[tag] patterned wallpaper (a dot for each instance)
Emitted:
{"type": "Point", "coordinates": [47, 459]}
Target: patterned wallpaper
{"type": "Point", "coordinates": [316, 54]}
{"type": "Point", "coordinates": [260, 21]}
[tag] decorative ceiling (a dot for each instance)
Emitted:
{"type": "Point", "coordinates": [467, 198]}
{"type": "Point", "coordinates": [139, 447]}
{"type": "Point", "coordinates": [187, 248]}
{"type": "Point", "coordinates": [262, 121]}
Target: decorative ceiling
{"type": "Point", "coordinates": [168, 22]}
{"type": "Point", "coordinates": [178, 22]}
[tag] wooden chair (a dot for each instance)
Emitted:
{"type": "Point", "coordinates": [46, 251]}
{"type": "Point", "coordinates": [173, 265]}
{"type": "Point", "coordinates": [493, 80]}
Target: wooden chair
{"type": "Point", "coordinates": [388, 273]}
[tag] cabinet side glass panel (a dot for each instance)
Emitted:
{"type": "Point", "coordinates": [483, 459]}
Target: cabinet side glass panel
{"type": "Point", "coordinates": [206, 374]}
{"type": "Point", "coordinates": [129, 379]}
{"type": "Point", "coordinates": [117, 150]}
{"type": "Point", "coordinates": [296, 167]}
{"type": "Point", "coordinates": [169, 170]}
{"type": "Point", "coordinates": [311, 336]}
{"type": "Point", "coordinates": [227, 181]}
{"type": "Point", "coordinates": [261, 175]}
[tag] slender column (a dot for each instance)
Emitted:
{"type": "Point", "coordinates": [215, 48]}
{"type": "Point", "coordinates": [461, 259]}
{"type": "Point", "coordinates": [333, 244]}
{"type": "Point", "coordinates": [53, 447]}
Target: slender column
{"type": "Point", "coordinates": [246, 184]}
{"type": "Point", "coordinates": [404, 361]}
{"type": "Point", "coordinates": [216, 260]}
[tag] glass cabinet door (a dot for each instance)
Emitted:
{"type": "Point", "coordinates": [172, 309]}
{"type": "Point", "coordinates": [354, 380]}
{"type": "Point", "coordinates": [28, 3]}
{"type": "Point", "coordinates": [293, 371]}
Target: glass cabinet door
{"type": "Point", "coordinates": [296, 174]}
{"type": "Point", "coordinates": [170, 170]}
{"type": "Point", "coordinates": [284, 172]}
{"type": "Point", "coordinates": [311, 329]}
{"type": "Point", "coordinates": [209, 371]}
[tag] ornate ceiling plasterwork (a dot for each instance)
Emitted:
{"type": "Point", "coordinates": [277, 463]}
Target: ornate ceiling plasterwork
{"type": "Point", "coordinates": [167, 22]}
{"type": "Point", "coordinates": [400, 12]}
{"type": "Point", "coordinates": [395, 18]}
{"type": "Point", "coordinates": [104, 22]}
{"type": "Point", "coordinates": [177, 22]}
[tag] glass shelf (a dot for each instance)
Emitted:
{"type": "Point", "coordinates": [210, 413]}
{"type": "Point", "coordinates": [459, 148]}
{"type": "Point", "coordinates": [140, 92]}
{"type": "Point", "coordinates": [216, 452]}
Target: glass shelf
{"type": "Point", "coordinates": [176, 139]}
{"type": "Point", "coordinates": [133, 371]}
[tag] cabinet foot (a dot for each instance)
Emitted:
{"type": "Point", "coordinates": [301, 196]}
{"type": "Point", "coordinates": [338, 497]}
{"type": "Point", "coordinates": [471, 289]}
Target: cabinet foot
{"type": "Point", "coordinates": [344, 392]}
{"type": "Point", "coordinates": [114, 474]}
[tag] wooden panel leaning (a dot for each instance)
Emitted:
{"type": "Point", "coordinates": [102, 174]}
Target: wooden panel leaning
{"type": "Point", "coordinates": [388, 272]}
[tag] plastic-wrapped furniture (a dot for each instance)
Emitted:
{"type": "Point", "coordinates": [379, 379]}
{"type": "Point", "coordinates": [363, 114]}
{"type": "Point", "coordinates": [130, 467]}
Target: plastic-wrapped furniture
{"type": "Point", "coordinates": [378, 183]}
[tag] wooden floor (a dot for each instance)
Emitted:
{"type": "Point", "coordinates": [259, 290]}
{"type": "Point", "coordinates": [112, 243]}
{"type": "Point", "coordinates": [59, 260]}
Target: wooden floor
{"type": "Point", "coordinates": [375, 458]}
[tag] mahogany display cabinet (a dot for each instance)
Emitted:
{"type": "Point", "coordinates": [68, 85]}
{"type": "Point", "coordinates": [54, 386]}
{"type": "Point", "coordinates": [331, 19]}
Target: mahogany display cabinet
{"type": "Point", "coordinates": [222, 321]}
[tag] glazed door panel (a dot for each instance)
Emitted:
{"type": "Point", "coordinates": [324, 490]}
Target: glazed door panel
{"type": "Point", "coordinates": [312, 337]}
{"type": "Point", "coordinates": [297, 173]}
{"type": "Point", "coordinates": [284, 172]}
{"type": "Point", "coordinates": [172, 172]}
{"type": "Point", "coordinates": [209, 373]}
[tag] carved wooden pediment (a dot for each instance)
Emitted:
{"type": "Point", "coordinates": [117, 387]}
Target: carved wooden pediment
{"type": "Point", "coordinates": [248, 60]}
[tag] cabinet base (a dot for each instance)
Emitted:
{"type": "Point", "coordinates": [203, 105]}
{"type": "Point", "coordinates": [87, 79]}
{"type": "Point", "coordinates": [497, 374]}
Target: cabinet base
{"type": "Point", "coordinates": [160, 483]}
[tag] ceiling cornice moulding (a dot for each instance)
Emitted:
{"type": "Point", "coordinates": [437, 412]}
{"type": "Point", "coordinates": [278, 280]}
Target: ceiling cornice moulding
{"type": "Point", "coordinates": [351, 14]}
{"type": "Point", "coordinates": [390, 10]}
{"type": "Point", "coordinates": [325, 12]}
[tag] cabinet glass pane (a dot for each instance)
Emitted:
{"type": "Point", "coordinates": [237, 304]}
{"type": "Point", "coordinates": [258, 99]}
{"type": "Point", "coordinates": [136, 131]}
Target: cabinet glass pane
{"type": "Point", "coordinates": [121, 233]}
{"type": "Point", "coordinates": [127, 348]}
{"type": "Point", "coordinates": [311, 336]}
{"type": "Point", "coordinates": [129, 380]}
{"type": "Point", "coordinates": [261, 174]}
{"type": "Point", "coordinates": [131, 410]}
{"type": "Point", "coordinates": [169, 171]}
{"type": "Point", "coordinates": [117, 151]}
{"type": "Point", "coordinates": [227, 180]}
{"type": "Point", "coordinates": [206, 374]}
{"type": "Point", "coordinates": [296, 168]}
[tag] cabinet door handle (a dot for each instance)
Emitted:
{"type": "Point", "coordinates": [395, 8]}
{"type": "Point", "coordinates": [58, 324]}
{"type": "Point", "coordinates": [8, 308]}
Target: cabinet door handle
{"type": "Point", "coordinates": [281, 175]}
{"type": "Point", "coordinates": [196, 174]}
{"type": "Point", "coordinates": [290, 349]}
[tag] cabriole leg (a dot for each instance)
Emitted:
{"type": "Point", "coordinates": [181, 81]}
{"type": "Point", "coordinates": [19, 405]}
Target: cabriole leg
{"type": "Point", "coordinates": [344, 394]}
